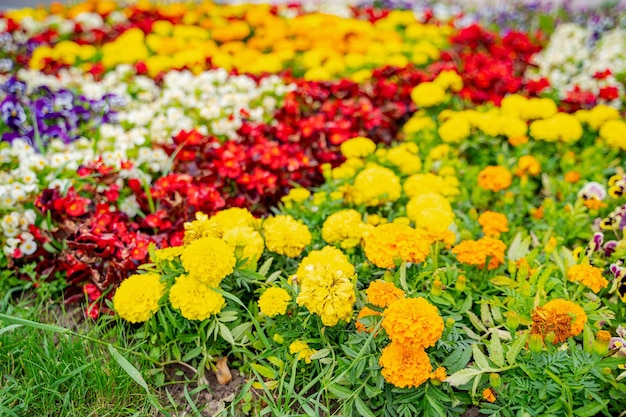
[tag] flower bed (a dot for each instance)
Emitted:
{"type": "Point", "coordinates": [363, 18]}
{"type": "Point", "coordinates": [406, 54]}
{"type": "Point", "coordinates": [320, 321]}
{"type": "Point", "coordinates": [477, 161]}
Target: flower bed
{"type": "Point", "coordinates": [400, 216]}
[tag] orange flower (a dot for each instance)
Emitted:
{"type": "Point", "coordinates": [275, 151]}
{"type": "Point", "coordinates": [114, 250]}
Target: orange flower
{"type": "Point", "coordinates": [404, 366]}
{"type": "Point", "coordinates": [528, 165]}
{"type": "Point", "coordinates": [572, 177]}
{"type": "Point", "coordinates": [558, 319]}
{"type": "Point", "coordinates": [594, 203]}
{"type": "Point", "coordinates": [439, 374]}
{"type": "Point", "coordinates": [493, 223]}
{"type": "Point", "coordinates": [365, 312]}
{"type": "Point", "coordinates": [382, 293]}
{"type": "Point", "coordinates": [476, 252]}
{"type": "Point", "coordinates": [489, 395]}
{"type": "Point", "coordinates": [413, 322]}
{"type": "Point", "coordinates": [392, 242]}
{"type": "Point", "coordinates": [494, 178]}
{"type": "Point", "coordinates": [537, 213]}
{"type": "Point", "coordinates": [518, 140]}
{"type": "Point", "coordinates": [588, 275]}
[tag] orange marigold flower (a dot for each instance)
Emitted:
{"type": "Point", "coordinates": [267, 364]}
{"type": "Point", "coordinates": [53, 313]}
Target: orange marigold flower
{"type": "Point", "coordinates": [393, 241]}
{"type": "Point", "coordinates": [572, 177]}
{"type": "Point", "coordinates": [493, 223]}
{"type": "Point", "coordinates": [382, 293]}
{"type": "Point", "coordinates": [594, 203]}
{"type": "Point", "coordinates": [603, 336]}
{"type": "Point", "coordinates": [588, 275]}
{"type": "Point", "coordinates": [413, 322]}
{"type": "Point", "coordinates": [560, 319]}
{"type": "Point", "coordinates": [494, 178]}
{"type": "Point", "coordinates": [489, 395]}
{"type": "Point", "coordinates": [365, 312]}
{"type": "Point", "coordinates": [476, 252]}
{"type": "Point", "coordinates": [518, 140]}
{"type": "Point", "coordinates": [537, 213]}
{"type": "Point", "coordinates": [528, 165]}
{"type": "Point", "coordinates": [439, 374]}
{"type": "Point", "coordinates": [404, 366]}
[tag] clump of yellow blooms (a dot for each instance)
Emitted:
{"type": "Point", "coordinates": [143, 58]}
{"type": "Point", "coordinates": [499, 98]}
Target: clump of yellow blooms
{"type": "Point", "coordinates": [404, 156]}
{"type": "Point", "coordinates": [493, 223]}
{"type": "Point", "coordinates": [208, 260]}
{"type": "Point", "coordinates": [528, 165]}
{"type": "Point", "coordinates": [614, 134]}
{"type": "Point", "coordinates": [427, 183]}
{"type": "Point", "coordinates": [285, 235]}
{"type": "Point", "coordinates": [449, 80]}
{"type": "Point", "coordinates": [296, 195]}
{"type": "Point", "coordinates": [455, 130]}
{"type": "Point", "coordinates": [376, 185]}
{"type": "Point", "coordinates": [393, 242]}
{"type": "Point", "coordinates": [476, 252]}
{"type": "Point", "coordinates": [218, 224]}
{"type": "Point", "coordinates": [137, 297]}
{"type": "Point", "coordinates": [561, 127]}
{"type": "Point", "coordinates": [168, 254]}
{"type": "Point", "coordinates": [274, 301]}
{"type": "Point", "coordinates": [428, 94]}
{"type": "Point", "coordinates": [494, 178]}
{"type": "Point", "coordinates": [344, 228]}
{"type": "Point", "coordinates": [326, 285]}
{"type": "Point", "coordinates": [588, 275]}
{"type": "Point", "coordinates": [358, 147]}
{"type": "Point", "coordinates": [195, 299]}
{"type": "Point", "coordinates": [518, 106]}
{"type": "Point", "coordinates": [383, 293]}
{"type": "Point", "coordinates": [302, 350]}
{"type": "Point", "coordinates": [64, 52]}
{"type": "Point", "coordinates": [431, 212]}
{"type": "Point", "coordinates": [246, 243]}
{"type": "Point", "coordinates": [597, 116]}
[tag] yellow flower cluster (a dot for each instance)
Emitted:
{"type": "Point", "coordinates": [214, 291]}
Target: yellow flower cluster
{"type": "Point", "coordinates": [597, 116]}
{"type": "Point", "coordinates": [476, 252]}
{"type": "Point", "coordinates": [528, 165]}
{"type": "Point", "coordinates": [561, 127]}
{"type": "Point", "coordinates": [376, 185]}
{"type": "Point", "coordinates": [195, 299]}
{"type": "Point", "coordinates": [405, 157]}
{"type": "Point", "coordinates": [302, 350]}
{"type": "Point", "coordinates": [285, 235]}
{"type": "Point", "coordinates": [137, 298]}
{"type": "Point", "coordinates": [246, 243]}
{"type": "Point", "coordinates": [428, 94]}
{"type": "Point", "coordinates": [588, 275]}
{"type": "Point", "coordinates": [344, 228]}
{"type": "Point", "coordinates": [296, 195]}
{"type": "Point", "coordinates": [455, 130]}
{"type": "Point", "coordinates": [417, 184]}
{"type": "Point", "coordinates": [515, 105]}
{"type": "Point", "coordinates": [218, 224]}
{"type": "Point", "coordinates": [433, 213]}
{"type": "Point", "coordinates": [208, 260]}
{"type": "Point", "coordinates": [493, 223]}
{"type": "Point", "coordinates": [494, 178]}
{"type": "Point", "coordinates": [274, 301]}
{"type": "Point", "coordinates": [168, 254]}
{"type": "Point", "coordinates": [394, 242]}
{"type": "Point", "coordinates": [64, 52]}
{"type": "Point", "coordinates": [614, 134]}
{"type": "Point", "coordinates": [382, 293]}
{"type": "Point", "coordinates": [326, 285]}
{"type": "Point", "coordinates": [358, 147]}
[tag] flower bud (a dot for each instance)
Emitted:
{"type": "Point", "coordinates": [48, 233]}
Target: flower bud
{"type": "Point", "coordinates": [461, 283]}
{"type": "Point", "coordinates": [550, 338]}
{"type": "Point", "coordinates": [450, 322]}
{"type": "Point", "coordinates": [437, 288]}
{"type": "Point", "coordinates": [512, 320]}
{"type": "Point", "coordinates": [551, 245]}
{"type": "Point", "coordinates": [278, 339]}
{"type": "Point", "coordinates": [535, 343]}
{"type": "Point", "coordinates": [388, 277]}
{"type": "Point", "coordinates": [494, 379]}
{"type": "Point", "coordinates": [473, 214]}
{"type": "Point", "coordinates": [601, 344]}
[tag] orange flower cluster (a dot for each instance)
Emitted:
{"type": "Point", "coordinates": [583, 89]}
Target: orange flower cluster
{"type": "Point", "coordinates": [476, 252]}
{"type": "Point", "coordinates": [493, 223]}
{"type": "Point", "coordinates": [587, 275]}
{"type": "Point", "coordinates": [558, 319]}
{"type": "Point", "coordinates": [494, 178]}
{"type": "Point", "coordinates": [404, 366]}
{"type": "Point", "coordinates": [382, 293]}
{"type": "Point", "coordinates": [393, 242]}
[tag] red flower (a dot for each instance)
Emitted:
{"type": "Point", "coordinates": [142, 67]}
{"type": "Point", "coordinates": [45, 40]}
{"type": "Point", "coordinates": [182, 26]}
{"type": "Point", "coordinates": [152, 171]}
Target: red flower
{"type": "Point", "coordinates": [609, 93]}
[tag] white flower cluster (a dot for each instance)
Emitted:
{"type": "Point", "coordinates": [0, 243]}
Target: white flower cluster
{"type": "Point", "coordinates": [571, 59]}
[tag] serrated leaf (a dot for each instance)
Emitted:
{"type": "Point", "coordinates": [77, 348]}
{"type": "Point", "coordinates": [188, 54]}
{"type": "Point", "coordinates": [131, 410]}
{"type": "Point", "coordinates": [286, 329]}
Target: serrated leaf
{"type": "Point", "coordinates": [485, 315]}
{"type": "Point", "coordinates": [192, 354]}
{"type": "Point", "coordinates": [519, 248]}
{"type": "Point", "coordinates": [362, 408]}
{"type": "Point", "coordinates": [591, 409]}
{"type": "Point", "coordinates": [496, 354]}
{"type": "Point", "coordinates": [226, 334]}
{"type": "Point", "coordinates": [322, 353]}
{"type": "Point", "coordinates": [470, 333]}
{"type": "Point", "coordinates": [239, 331]}
{"type": "Point", "coordinates": [264, 371]}
{"type": "Point", "coordinates": [480, 358]}
{"type": "Point", "coordinates": [458, 359]}
{"type": "Point", "coordinates": [516, 347]}
{"type": "Point", "coordinates": [463, 376]}
{"type": "Point", "coordinates": [504, 281]}
{"type": "Point", "coordinates": [264, 269]}
{"type": "Point", "coordinates": [339, 391]}
{"type": "Point", "coordinates": [476, 322]}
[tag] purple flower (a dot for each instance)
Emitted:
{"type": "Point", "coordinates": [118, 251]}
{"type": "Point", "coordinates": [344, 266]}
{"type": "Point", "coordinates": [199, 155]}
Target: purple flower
{"type": "Point", "coordinates": [14, 87]}
{"type": "Point", "coordinates": [13, 114]}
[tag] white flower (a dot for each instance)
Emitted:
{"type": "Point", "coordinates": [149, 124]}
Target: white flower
{"type": "Point", "coordinates": [28, 247]}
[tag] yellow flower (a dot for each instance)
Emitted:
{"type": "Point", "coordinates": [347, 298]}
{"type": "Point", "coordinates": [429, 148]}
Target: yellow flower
{"type": "Point", "coordinates": [231, 218]}
{"type": "Point", "coordinates": [302, 350]}
{"type": "Point", "coordinates": [358, 147]}
{"type": "Point", "coordinates": [476, 252]}
{"type": "Point", "coordinates": [274, 301]}
{"type": "Point", "coordinates": [494, 178]}
{"type": "Point", "coordinates": [588, 275]}
{"type": "Point", "coordinates": [344, 228]}
{"type": "Point", "coordinates": [428, 94]}
{"type": "Point", "coordinates": [454, 130]}
{"type": "Point", "coordinates": [285, 235]}
{"type": "Point", "coordinates": [297, 195]}
{"type": "Point", "coordinates": [405, 367]}
{"type": "Point", "coordinates": [449, 80]}
{"type": "Point", "coordinates": [194, 299]}
{"type": "Point", "coordinates": [137, 297]}
{"type": "Point", "coordinates": [528, 165]}
{"type": "Point", "coordinates": [391, 242]}
{"type": "Point", "coordinates": [493, 223]}
{"type": "Point", "coordinates": [376, 185]}
{"type": "Point", "coordinates": [382, 293]}
{"type": "Point", "coordinates": [488, 395]}
{"type": "Point", "coordinates": [402, 157]}
{"type": "Point", "coordinates": [431, 212]}
{"type": "Point", "coordinates": [560, 127]}
{"type": "Point", "coordinates": [430, 183]}
{"type": "Point", "coordinates": [614, 133]}
{"type": "Point", "coordinates": [439, 374]}
{"type": "Point", "coordinates": [209, 260]}
{"type": "Point", "coordinates": [168, 254]}
{"type": "Point", "coordinates": [246, 243]}
{"type": "Point", "coordinates": [413, 322]}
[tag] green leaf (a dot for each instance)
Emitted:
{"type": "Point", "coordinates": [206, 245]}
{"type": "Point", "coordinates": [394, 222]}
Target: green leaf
{"type": "Point", "coordinates": [239, 331]}
{"type": "Point", "coordinates": [519, 248]}
{"type": "Point", "coordinates": [496, 354]}
{"type": "Point", "coordinates": [476, 322]}
{"type": "Point", "coordinates": [485, 315]}
{"type": "Point", "coordinates": [322, 353]}
{"type": "Point", "coordinates": [362, 408]}
{"type": "Point", "coordinates": [339, 391]}
{"type": "Point", "coordinates": [128, 367]}
{"type": "Point", "coordinates": [226, 334]}
{"type": "Point", "coordinates": [480, 358]}
{"type": "Point", "coordinates": [591, 409]}
{"type": "Point", "coordinates": [458, 359]}
{"type": "Point", "coordinates": [10, 327]}
{"type": "Point", "coordinates": [463, 376]}
{"type": "Point", "coordinates": [403, 277]}
{"type": "Point", "coordinates": [33, 324]}
{"type": "Point", "coordinates": [277, 362]}
{"type": "Point", "coordinates": [265, 371]}
{"type": "Point", "coordinates": [516, 347]}
{"type": "Point", "coordinates": [265, 268]}
{"type": "Point", "coordinates": [192, 354]}
{"type": "Point", "coordinates": [503, 281]}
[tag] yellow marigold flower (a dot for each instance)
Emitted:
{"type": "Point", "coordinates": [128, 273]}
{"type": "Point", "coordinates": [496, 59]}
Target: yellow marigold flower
{"type": "Point", "coordinates": [430, 183]}
{"type": "Point", "coordinates": [201, 227]}
{"type": "Point", "coordinates": [418, 123]}
{"type": "Point", "coordinates": [297, 195]}
{"type": "Point", "coordinates": [302, 350]}
{"type": "Point", "coordinates": [431, 212]}
{"type": "Point", "coordinates": [449, 80]}
{"type": "Point", "coordinates": [344, 228]}
{"type": "Point", "coordinates": [376, 185]}
{"type": "Point", "coordinates": [439, 152]}
{"type": "Point", "coordinates": [375, 220]}
{"type": "Point", "coordinates": [588, 275]}
{"type": "Point", "coordinates": [494, 178]}
{"type": "Point", "coordinates": [614, 133]}
{"type": "Point", "coordinates": [327, 288]}
{"type": "Point", "coordinates": [137, 297]}
{"type": "Point", "coordinates": [528, 165]}
{"type": "Point", "coordinates": [274, 301]}
{"type": "Point", "coordinates": [493, 223]}
{"type": "Point", "coordinates": [439, 374]}
{"type": "Point", "coordinates": [208, 260]}
{"type": "Point", "coordinates": [168, 254]}
{"type": "Point", "coordinates": [558, 319]}
{"type": "Point", "coordinates": [392, 241]}
{"type": "Point", "coordinates": [597, 116]}
{"type": "Point", "coordinates": [383, 293]}
{"type": "Point", "coordinates": [246, 243]}
{"type": "Point", "coordinates": [286, 235]}
{"type": "Point", "coordinates": [428, 94]}
{"type": "Point", "coordinates": [365, 312]}
{"type": "Point", "coordinates": [407, 162]}
{"type": "Point", "coordinates": [231, 218]}
{"type": "Point", "coordinates": [561, 127]}
{"type": "Point", "coordinates": [476, 252]}
{"type": "Point", "coordinates": [517, 141]}
{"type": "Point", "coordinates": [358, 147]}
{"type": "Point", "coordinates": [413, 323]}
{"type": "Point", "coordinates": [489, 395]}
{"type": "Point", "coordinates": [194, 299]}
{"type": "Point", "coordinates": [405, 367]}
{"type": "Point", "coordinates": [455, 130]}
